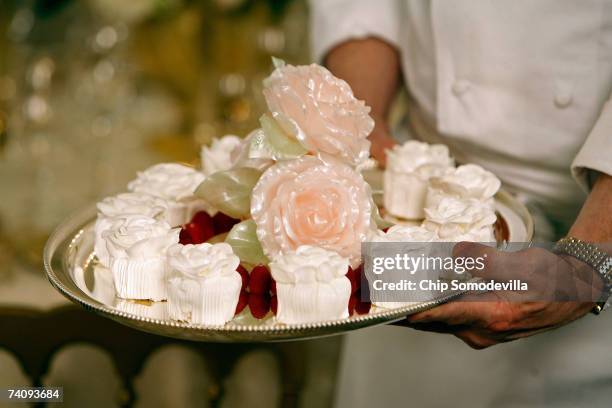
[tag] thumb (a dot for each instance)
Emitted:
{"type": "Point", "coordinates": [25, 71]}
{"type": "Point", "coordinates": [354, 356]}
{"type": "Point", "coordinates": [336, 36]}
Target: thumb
{"type": "Point", "coordinates": [489, 263]}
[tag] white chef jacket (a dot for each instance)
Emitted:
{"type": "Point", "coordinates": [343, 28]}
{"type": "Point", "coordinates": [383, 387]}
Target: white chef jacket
{"type": "Point", "coordinates": [518, 86]}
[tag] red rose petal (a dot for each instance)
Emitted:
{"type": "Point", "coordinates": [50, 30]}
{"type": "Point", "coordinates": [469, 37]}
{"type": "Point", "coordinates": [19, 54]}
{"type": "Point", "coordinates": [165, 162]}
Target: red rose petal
{"type": "Point", "coordinates": [185, 237]}
{"type": "Point", "coordinates": [201, 218]}
{"type": "Point", "coordinates": [204, 225]}
{"type": "Point", "coordinates": [351, 304]}
{"type": "Point", "coordinates": [243, 300]}
{"type": "Point", "coordinates": [273, 287]}
{"type": "Point", "coordinates": [349, 273]}
{"type": "Point", "coordinates": [223, 223]}
{"type": "Point", "coordinates": [362, 307]}
{"type": "Point", "coordinates": [260, 280]}
{"type": "Point", "coordinates": [352, 276]}
{"type": "Point", "coordinates": [194, 231]}
{"type": "Point", "coordinates": [274, 304]}
{"type": "Point", "coordinates": [259, 305]}
{"type": "Point", "coordinates": [358, 276]}
{"type": "Point", "coordinates": [244, 274]}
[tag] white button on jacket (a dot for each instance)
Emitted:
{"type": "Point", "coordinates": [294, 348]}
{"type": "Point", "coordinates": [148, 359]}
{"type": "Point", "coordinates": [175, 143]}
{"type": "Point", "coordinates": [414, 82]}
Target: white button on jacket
{"type": "Point", "coordinates": [517, 86]}
{"type": "Point", "coordinates": [460, 86]}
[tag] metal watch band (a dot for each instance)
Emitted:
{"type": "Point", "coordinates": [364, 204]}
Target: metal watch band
{"type": "Point", "coordinates": [594, 257]}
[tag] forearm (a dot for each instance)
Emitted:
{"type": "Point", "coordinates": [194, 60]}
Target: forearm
{"type": "Point", "coordinates": [594, 223]}
{"type": "Point", "coordinates": [372, 69]}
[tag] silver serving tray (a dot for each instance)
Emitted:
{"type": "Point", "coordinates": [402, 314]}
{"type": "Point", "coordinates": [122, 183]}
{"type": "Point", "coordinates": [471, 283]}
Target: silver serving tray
{"type": "Point", "coordinates": [72, 269]}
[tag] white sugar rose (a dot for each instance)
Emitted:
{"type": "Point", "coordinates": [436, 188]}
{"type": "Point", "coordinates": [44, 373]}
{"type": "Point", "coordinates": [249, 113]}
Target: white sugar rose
{"type": "Point", "coordinates": [459, 219]}
{"type": "Point", "coordinates": [454, 210]}
{"type": "Point", "coordinates": [320, 111]}
{"type": "Point", "coordinates": [311, 202]}
{"type": "Point", "coordinates": [167, 180]}
{"type": "Point", "coordinates": [203, 260]}
{"type": "Point", "coordinates": [137, 246]}
{"type": "Point", "coordinates": [311, 285]}
{"type": "Point", "coordinates": [175, 183]}
{"type": "Point", "coordinates": [406, 179]}
{"type": "Point", "coordinates": [220, 155]}
{"type": "Point", "coordinates": [139, 237]}
{"type": "Point", "coordinates": [468, 181]}
{"type": "Point", "coordinates": [403, 233]}
{"type": "Point", "coordinates": [421, 159]}
{"type": "Point", "coordinates": [123, 205]}
{"type": "Point", "coordinates": [308, 264]}
{"type": "Point", "coordinates": [204, 286]}
{"type": "Point", "coordinates": [132, 204]}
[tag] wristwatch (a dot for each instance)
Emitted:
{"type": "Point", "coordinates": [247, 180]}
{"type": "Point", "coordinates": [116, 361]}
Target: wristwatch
{"type": "Point", "coordinates": [599, 260]}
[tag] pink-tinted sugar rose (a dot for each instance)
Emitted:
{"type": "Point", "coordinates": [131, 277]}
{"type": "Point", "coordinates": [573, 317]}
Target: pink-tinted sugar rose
{"type": "Point", "coordinates": [311, 202]}
{"type": "Point", "coordinates": [320, 111]}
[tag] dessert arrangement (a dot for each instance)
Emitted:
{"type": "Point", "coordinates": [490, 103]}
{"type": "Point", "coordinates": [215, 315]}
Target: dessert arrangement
{"type": "Point", "coordinates": [271, 225]}
{"type": "Point", "coordinates": [456, 203]}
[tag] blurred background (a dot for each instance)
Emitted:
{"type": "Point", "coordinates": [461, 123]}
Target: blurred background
{"type": "Point", "coordinates": [93, 90]}
{"type": "Point", "coordinates": [90, 92]}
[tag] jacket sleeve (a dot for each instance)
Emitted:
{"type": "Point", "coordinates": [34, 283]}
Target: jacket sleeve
{"type": "Point", "coordinates": [335, 21]}
{"type": "Point", "coordinates": [596, 152]}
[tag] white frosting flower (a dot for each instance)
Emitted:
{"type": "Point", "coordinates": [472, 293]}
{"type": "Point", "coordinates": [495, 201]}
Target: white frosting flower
{"type": "Point", "coordinates": [468, 181]}
{"type": "Point", "coordinates": [175, 183]}
{"type": "Point", "coordinates": [307, 201]}
{"type": "Point", "coordinates": [403, 233]}
{"type": "Point", "coordinates": [132, 204]}
{"type": "Point", "coordinates": [137, 246]}
{"type": "Point", "coordinates": [459, 219]}
{"type": "Point", "coordinates": [449, 209]}
{"type": "Point", "coordinates": [422, 159]}
{"type": "Point", "coordinates": [167, 180]}
{"type": "Point", "coordinates": [139, 237]}
{"type": "Point", "coordinates": [210, 301]}
{"type": "Point", "coordinates": [123, 205]}
{"type": "Point", "coordinates": [308, 264]}
{"type": "Point", "coordinates": [204, 287]}
{"type": "Point", "coordinates": [220, 155]}
{"type": "Point", "coordinates": [203, 260]}
{"type": "Point", "coordinates": [320, 111]}
{"type": "Point", "coordinates": [311, 285]}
